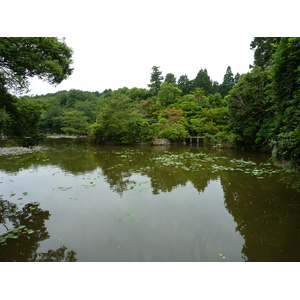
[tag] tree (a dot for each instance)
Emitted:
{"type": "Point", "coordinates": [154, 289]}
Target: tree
{"type": "Point", "coordinates": [23, 123]}
{"type": "Point", "coordinates": [185, 84]}
{"type": "Point", "coordinates": [170, 78]}
{"type": "Point", "coordinates": [250, 105]}
{"type": "Point", "coordinates": [155, 80]}
{"type": "Point", "coordinates": [264, 48]}
{"type": "Point", "coordinates": [228, 82]}
{"type": "Point", "coordinates": [168, 94]}
{"type": "Point", "coordinates": [138, 94]}
{"type": "Point", "coordinates": [237, 78]}
{"type": "Point", "coordinates": [202, 80]}
{"type": "Point", "coordinates": [286, 86]}
{"type": "Point", "coordinates": [20, 59]}
{"type": "Point", "coordinates": [74, 122]}
{"type": "Point", "coordinates": [113, 120]}
{"type": "Point", "coordinates": [216, 100]}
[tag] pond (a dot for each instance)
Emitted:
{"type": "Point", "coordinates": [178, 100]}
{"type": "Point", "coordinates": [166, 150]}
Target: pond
{"type": "Point", "coordinates": [86, 203]}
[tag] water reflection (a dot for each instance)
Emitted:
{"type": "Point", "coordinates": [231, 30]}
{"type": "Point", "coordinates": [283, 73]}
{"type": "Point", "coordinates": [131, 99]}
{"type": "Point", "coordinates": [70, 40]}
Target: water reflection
{"type": "Point", "coordinates": [22, 246]}
{"type": "Point", "coordinates": [195, 204]}
{"type": "Point", "coordinates": [265, 217]}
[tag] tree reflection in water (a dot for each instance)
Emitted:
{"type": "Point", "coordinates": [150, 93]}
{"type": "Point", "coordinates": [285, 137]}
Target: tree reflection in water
{"type": "Point", "coordinates": [24, 247]}
{"type": "Point", "coordinates": [265, 208]}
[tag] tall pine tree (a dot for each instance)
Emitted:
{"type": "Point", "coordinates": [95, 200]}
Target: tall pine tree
{"type": "Point", "coordinates": [203, 81]}
{"type": "Point", "coordinates": [155, 80]}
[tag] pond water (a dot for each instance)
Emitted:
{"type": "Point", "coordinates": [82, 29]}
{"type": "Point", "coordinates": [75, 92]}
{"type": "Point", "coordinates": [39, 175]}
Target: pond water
{"type": "Point", "coordinates": [87, 203]}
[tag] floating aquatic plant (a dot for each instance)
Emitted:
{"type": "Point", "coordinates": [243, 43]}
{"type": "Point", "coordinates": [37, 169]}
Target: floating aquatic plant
{"type": "Point", "coordinates": [128, 213]}
{"type": "Point", "coordinates": [14, 233]}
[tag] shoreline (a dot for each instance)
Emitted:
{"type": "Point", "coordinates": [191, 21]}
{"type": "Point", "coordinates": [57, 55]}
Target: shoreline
{"type": "Point", "coordinates": [20, 150]}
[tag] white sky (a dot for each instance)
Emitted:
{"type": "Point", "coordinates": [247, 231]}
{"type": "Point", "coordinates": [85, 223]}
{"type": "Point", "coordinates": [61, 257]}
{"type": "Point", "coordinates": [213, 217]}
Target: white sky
{"type": "Point", "coordinates": [125, 58]}
{"type": "Point", "coordinates": [117, 42]}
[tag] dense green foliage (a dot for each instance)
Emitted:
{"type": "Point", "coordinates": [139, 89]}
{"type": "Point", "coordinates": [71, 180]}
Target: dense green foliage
{"type": "Point", "coordinates": [265, 103]}
{"type": "Point", "coordinates": [20, 59]}
{"type": "Point", "coordinates": [137, 115]}
{"type": "Point", "coordinates": [258, 110]}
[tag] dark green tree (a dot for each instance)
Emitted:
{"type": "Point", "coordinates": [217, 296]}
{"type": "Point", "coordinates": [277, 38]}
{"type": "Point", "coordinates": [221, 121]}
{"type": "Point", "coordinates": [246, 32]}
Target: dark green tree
{"type": "Point", "coordinates": [155, 80]}
{"type": "Point", "coordinates": [23, 123]}
{"type": "Point", "coordinates": [185, 84]}
{"type": "Point", "coordinates": [286, 86]}
{"type": "Point", "coordinates": [264, 48]}
{"type": "Point", "coordinates": [228, 82]}
{"type": "Point", "coordinates": [202, 80]}
{"type": "Point", "coordinates": [23, 57]}
{"type": "Point", "coordinates": [170, 78]}
{"type": "Point", "coordinates": [237, 78]}
{"type": "Point", "coordinates": [250, 105]}
{"type": "Point", "coordinates": [138, 94]}
{"type": "Point", "coordinates": [20, 59]}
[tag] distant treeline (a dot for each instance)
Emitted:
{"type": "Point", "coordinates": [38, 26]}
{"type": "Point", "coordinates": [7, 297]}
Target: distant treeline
{"type": "Point", "coordinates": [170, 108]}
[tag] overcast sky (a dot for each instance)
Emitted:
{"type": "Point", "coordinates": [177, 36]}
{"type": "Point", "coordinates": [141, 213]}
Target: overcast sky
{"type": "Point", "coordinates": [116, 43]}
{"type": "Point", "coordinates": [124, 59]}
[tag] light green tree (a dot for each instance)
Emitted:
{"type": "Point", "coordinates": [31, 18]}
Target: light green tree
{"type": "Point", "coordinates": [74, 122]}
{"type": "Point", "coordinates": [168, 94]}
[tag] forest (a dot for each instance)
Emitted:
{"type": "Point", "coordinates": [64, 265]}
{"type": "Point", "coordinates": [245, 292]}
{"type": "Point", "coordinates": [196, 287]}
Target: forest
{"type": "Point", "coordinates": [258, 110]}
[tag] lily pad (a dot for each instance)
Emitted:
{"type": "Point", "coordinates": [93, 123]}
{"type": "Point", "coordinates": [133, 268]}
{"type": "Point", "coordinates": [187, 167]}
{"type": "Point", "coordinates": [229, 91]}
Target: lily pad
{"type": "Point", "coordinates": [132, 220]}
{"type": "Point", "coordinates": [119, 220]}
{"type": "Point", "coordinates": [128, 213]}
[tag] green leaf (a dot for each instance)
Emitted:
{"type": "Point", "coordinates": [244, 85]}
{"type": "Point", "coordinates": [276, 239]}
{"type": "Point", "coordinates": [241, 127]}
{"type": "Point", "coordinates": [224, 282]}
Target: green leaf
{"type": "Point", "coordinates": [36, 203]}
{"type": "Point", "coordinates": [30, 231]}
{"type": "Point", "coordinates": [129, 213]}
{"type": "Point", "coordinates": [132, 220]}
{"type": "Point", "coordinates": [119, 220]}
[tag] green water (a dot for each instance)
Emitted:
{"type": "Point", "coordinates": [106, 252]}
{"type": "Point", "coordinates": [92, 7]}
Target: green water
{"type": "Point", "coordinates": [77, 202]}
